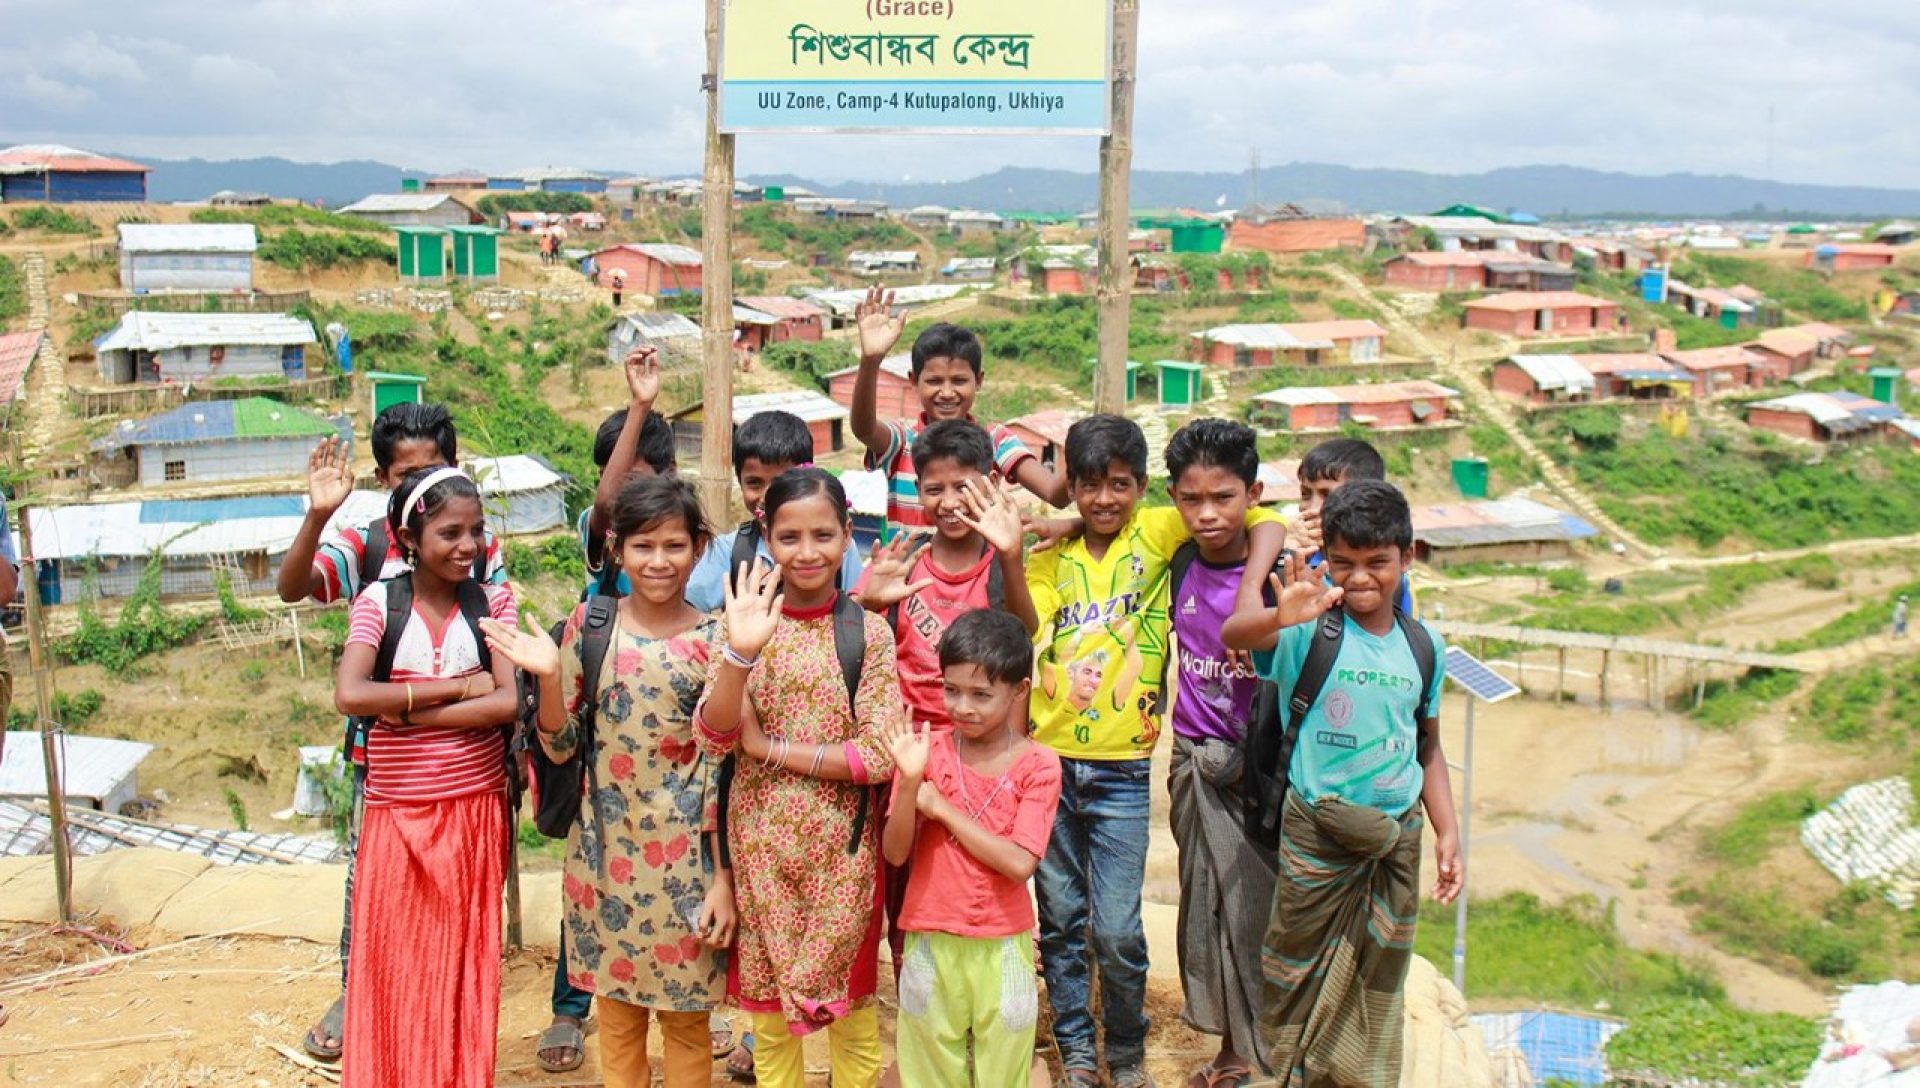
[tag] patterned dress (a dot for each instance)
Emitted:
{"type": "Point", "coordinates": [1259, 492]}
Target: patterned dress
{"type": "Point", "coordinates": [632, 905]}
{"type": "Point", "coordinates": [809, 917]}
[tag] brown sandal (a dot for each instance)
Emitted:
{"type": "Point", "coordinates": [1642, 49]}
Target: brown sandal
{"type": "Point", "coordinates": [1230, 1076]}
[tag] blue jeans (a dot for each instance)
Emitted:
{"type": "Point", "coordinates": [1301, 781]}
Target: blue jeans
{"type": "Point", "coordinates": [1089, 890]}
{"type": "Point", "coordinates": [568, 999]}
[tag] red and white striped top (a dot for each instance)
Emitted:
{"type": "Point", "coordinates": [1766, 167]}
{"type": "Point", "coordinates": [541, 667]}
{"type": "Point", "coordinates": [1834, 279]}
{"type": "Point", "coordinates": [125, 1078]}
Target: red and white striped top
{"type": "Point", "coordinates": [410, 765]}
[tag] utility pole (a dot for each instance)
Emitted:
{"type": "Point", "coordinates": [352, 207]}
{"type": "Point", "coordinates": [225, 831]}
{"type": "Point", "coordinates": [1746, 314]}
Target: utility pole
{"type": "Point", "coordinates": [49, 730]}
{"type": "Point", "coordinates": [1116, 167]}
{"type": "Point", "coordinates": [1253, 180]}
{"type": "Point", "coordinates": [716, 273]}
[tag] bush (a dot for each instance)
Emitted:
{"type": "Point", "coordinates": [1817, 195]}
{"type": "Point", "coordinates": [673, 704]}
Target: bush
{"type": "Point", "coordinates": [557, 556]}
{"type": "Point", "coordinates": [811, 359]}
{"type": "Point", "coordinates": [290, 215]}
{"type": "Point", "coordinates": [1729, 704]}
{"type": "Point", "coordinates": [142, 628]}
{"type": "Point", "coordinates": [52, 220]}
{"type": "Point", "coordinates": [560, 203]}
{"type": "Point", "coordinates": [13, 292]}
{"type": "Point", "coordinates": [71, 711]}
{"type": "Point", "coordinates": [301, 251]}
{"type": "Point", "coordinates": [1710, 1042]}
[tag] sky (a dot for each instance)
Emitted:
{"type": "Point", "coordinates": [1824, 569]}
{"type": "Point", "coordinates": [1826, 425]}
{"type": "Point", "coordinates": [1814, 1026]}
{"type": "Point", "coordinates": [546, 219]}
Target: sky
{"type": "Point", "coordinates": [1446, 86]}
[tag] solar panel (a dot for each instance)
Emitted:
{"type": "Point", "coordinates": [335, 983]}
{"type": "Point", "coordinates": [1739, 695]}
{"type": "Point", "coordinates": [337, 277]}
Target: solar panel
{"type": "Point", "coordinates": [1485, 684]}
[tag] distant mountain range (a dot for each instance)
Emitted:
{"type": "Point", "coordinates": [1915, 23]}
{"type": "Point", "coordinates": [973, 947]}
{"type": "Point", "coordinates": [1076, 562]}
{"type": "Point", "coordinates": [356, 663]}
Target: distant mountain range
{"type": "Point", "coordinates": [1543, 190]}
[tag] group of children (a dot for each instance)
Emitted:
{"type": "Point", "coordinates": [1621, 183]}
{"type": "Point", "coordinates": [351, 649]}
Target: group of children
{"type": "Point", "coordinates": [785, 755]}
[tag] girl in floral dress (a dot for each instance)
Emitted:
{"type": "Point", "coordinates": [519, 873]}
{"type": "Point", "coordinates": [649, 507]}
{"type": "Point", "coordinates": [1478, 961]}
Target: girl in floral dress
{"type": "Point", "coordinates": [802, 823]}
{"type": "Point", "coordinates": [648, 909]}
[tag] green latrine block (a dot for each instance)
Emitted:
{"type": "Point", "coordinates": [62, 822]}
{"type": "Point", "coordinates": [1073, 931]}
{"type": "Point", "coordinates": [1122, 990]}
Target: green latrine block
{"type": "Point", "coordinates": [1180, 383]}
{"type": "Point", "coordinates": [1133, 377]}
{"type": "Point", "coordinates": [476, 253]}
{"type": "Point", "coordinates": [1886, 381]}
{"type": "Point", "coordinates": [423, 253]}
{"type": "Point", "coordinates": [1472, 476]}
{"type": "Point", "coordinates": [391, 389]}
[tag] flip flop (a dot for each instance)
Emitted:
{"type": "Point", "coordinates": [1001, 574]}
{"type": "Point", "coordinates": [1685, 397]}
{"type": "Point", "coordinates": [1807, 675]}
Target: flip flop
{"type": "Point", "coordinates": [720, 1038]}
{"type": "Point", "coordinates": [740, 1062]}
{"type": "Point", "coordinates": [1226, 1076]}
{"type": "Point", "coordinates": [562, 1035]}
{"type": "Point", "coordinates": [334, 1023]}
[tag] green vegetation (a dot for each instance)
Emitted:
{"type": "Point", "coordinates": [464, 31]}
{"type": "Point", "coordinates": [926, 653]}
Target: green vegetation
{"type": "Point", "coordinates": [89, 325]}
{"type": "Point", "coordinates": [811, 359]}
{"type": "Point", "coordinates": [301, 251]}
{"type": "Point", "coordinates": [1845, 706]}
{"type": "Point", "coordinates": [778, 231]}
{"type": "Point", "coordinates": [52, 220]}
{"type": "Point", "coordinates": [290, 215]}
{"type": "Point", "coordinates": [558, 557]}
{"type": "Point", "coordinates": [1729, 704]}
{"type": "Point", "coordinates": [1750, 836]}
{"type": "Point", "coordinates": [1801, 291]}
{"type": "Point", "coordinates": [1509, 466]}
{"type": "Point", "coordinates": [13, 292]}
{"type": "Point", "coordinates": [142, 628]}
{"type": "Point", "coordinates": [499, 204]}
{"type": "Point", "coordinates": [1570, 955]}
{"type": "Point", "coordinates": [1848, 935]}
{"type": "Point", "coordinates": [1575, 606]}
{"type": "Point", "coordinates": [236, 808]}
{"type": "Point", "coordinates": [71, 711]}
{"type": "Point", "coordinates": [1707, 1042]}
{"type": "Point", "coordinates": [1714, 485]}
{"type": "Point", "coordinates": [1872, 618]}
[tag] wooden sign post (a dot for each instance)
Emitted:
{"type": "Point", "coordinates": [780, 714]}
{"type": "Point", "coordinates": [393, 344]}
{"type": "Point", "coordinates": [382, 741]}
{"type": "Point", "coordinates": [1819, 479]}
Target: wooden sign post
{"type": "Point", "coordinates": [716, 294]}
{"type": "Point", "coordinates": [1115, 291]}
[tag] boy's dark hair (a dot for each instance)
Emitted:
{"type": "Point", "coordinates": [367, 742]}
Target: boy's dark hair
{"type": "Point", "coordinates": [1343, 459]}
{"type": "Point", "coordinates": [772, 438]}
{"type": "Point", "coordinates": [947, 340]}
{"type": "Point", "coordinates": [995, 641]}
{"type": "Point", "coordinates": [953, 440]}
{"type": "Point", "coordinates": [412, 422]}
{"type": "Point", "coordinates": [1096, 442]}
{"type": "Point", "coordinates": [655, 446]}
{"type": "Point", "coordinates": [1215, 443]}
{"type": "Point", "coordinates": [1367, 514]}
{"type": "Point", "coordinates": [436, 497]}
{"type": "Point", "coordinates": [647, 501]}
{"type": "Point", "coordinates": [802, 483]}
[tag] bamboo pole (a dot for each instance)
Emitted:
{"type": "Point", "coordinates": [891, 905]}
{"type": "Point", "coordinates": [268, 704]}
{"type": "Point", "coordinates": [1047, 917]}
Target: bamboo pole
{"type": "Point", "coordinates": [1116, 167]}
{"type": "Point", "coordinates": [43, 692]}
{"type": "Point", "coordinates": [716, 273]}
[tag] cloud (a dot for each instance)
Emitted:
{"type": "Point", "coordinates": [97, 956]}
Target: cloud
{"type": "Point", "coordinates": [1643, 86]}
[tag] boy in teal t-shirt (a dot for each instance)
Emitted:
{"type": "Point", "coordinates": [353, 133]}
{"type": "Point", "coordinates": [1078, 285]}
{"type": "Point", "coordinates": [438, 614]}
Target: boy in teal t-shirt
{"type": "Point", "coordinates": [1365, 763]}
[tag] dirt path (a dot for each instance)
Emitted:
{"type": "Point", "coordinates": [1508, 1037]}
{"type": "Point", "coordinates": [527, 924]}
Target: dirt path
{"type": "Point", "coordinates": [46, 393]}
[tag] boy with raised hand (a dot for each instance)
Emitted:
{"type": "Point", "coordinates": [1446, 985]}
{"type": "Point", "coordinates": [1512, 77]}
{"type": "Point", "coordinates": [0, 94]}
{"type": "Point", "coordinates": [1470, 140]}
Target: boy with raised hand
{"type": "Point", "coordinates": [1226, 879]}
{"type": "Point", "coordinates": [1102, 601]}
{"type": "Point", "coordinates": [1365, 694]}
{"type": "Point", "coordinates": [631, 441]}
{"type": "Point", "coordinates": [406, 438]}
{"type": "Point", "coordinates": [972, 560]}
{"type": "Point", "coordinates": [765, 446]}
{"type": "Point", "coordinates": [947, 374]}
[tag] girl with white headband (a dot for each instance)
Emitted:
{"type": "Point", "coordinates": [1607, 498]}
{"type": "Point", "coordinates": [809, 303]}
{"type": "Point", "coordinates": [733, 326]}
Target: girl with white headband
{"type": "Point", "coordinates": [423, 987]}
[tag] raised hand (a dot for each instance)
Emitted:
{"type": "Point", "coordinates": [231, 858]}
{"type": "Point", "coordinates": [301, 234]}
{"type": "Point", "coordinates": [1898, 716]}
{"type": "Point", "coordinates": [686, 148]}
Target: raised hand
{"type": "Point", "coordinates": [887, 571]}
{"type": "Point", "coordinates": [533, 651]}
{"type": "Point", "coordinates": [879, 326]}
{"type": "Point", "coordinates": [1303, 535]}
{"type": "Point", "coordinates": [753, 613]}
{"type": "Point", "coordinates": [643, 375]}
{"type": "Point", "coordinates": [1302, 597]}
{"type": "Point", "coordinates": [907, 741]}
{"type": "Point", "coordinates": [989, 509]}
{"type": "Point", "coordinates": [329, 477]}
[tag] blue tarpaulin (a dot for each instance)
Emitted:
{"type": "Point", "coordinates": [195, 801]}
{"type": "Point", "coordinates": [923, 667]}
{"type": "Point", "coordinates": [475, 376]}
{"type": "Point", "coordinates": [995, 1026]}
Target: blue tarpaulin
{"type": "Point", "coordinates": [1558, 1046]}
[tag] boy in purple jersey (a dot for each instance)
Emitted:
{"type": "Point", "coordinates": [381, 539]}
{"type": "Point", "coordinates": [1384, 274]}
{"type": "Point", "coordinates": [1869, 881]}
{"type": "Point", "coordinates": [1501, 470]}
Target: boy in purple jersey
{"type": "Point", "coordinates": [1226, 881]}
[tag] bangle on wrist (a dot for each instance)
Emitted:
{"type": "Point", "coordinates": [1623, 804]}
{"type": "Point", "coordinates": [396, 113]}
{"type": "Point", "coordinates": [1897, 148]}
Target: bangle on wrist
{"type": "Point", "coordinates": [409, 710]}
{"type": "Point", "coordinates": [819, 757]}
{"type": "Point", "coordinates": [738, 660]}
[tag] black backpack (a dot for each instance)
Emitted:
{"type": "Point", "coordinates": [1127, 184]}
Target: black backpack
{"type": "Point", "coordinates": [850, 646]}
{"type": "Point", "coordinates": [560, 789]}
{"type": "Point", "coordinates": [996, 596]}
{"type": "Point", "coordinates": [471, 597]}
{"type": "Point", "coordinates": [1266, 749]}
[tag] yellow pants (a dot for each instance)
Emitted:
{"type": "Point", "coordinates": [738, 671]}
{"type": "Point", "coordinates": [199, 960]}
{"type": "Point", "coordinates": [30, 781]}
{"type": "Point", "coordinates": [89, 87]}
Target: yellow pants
{"type": "Point", "coordinates": [779, 1060]}
{"type": "Point", "coordinates": [623, 1046]}
{"type": "Point", "coordinates": [953, 988]}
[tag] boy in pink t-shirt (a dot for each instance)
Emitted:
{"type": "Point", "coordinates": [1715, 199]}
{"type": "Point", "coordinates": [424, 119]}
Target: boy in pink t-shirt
{"type": "Point", "coordinates": [973, 808]}
{"type": "Point", "coordinates": [972, 560]}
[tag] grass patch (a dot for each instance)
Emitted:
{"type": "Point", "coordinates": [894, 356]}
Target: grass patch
{"type": "Point", "coordinates": [1569, 955]}
{"type": "Point", "coordinates": [1850, 935]}
{"type": "Point", "coordinates": [13, 292]}
{"type": "Point", "coordinates": [1846, 706]}
{"type": "Point", "coordinates": [290, 215]}
{"type": "Point", "coordinates": [1872, 618]}
{"type": "Point", "coordinates": [52, 220]}
{"type": "Point", "coordinates": [1707, 1042]}
{"type": "Point", "coordinates": [1730, 704]}
{"type": "Point", "coordinates": [1803, 292]}
{"type": "Point", "coordinates": [1760, 826]}
{"type": "Point", "coordinates": [301, 251]}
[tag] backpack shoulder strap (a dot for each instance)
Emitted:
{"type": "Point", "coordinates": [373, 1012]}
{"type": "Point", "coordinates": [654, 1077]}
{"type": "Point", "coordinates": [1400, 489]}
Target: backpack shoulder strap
{"type": "Point", "coordinates": [474, 607]}
{"type": "Point", "coordinates": [373, 556]}
{"type": "Point", "coordinates": [399, 607]}
{"type": "Point", "coordinates": [1321, 655]}
{"type": "Point", "coordinates": [596, 636]}
{"type": "Point", "coordinates": [746, 548]}
{"type": "Point", "coordinates": [1421, 643]}
{"type": "Point", "coordinates": [1177, 568]}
